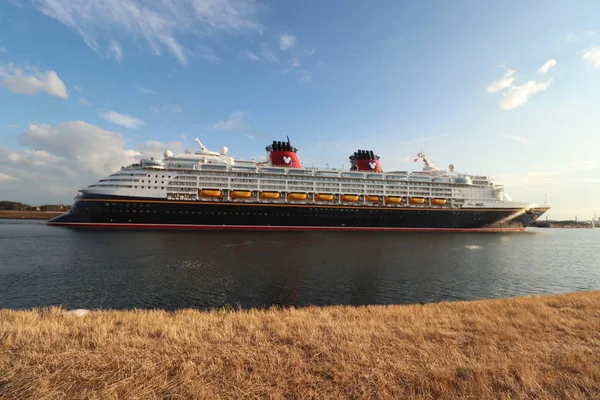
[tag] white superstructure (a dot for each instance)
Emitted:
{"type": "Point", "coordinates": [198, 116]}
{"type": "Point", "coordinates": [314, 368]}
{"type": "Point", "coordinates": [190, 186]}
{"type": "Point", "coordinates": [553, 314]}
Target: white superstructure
{"type": "Point", "coordinates": [184, 176]}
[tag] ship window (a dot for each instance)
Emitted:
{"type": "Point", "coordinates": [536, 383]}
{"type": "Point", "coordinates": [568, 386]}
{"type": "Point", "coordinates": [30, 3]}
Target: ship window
{"type": "Point", "coordinates": [107, 204]}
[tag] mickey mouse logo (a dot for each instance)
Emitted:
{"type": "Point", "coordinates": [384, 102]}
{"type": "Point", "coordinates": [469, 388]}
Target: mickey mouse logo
{"type": "Point", "coordinates": [373, 165]}
{"type": "Point", "coordinates": [287, 159]}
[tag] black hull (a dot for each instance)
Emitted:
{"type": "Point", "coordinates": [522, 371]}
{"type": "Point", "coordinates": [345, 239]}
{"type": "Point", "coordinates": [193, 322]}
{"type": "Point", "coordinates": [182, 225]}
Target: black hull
{"type": "Point", "coordinates": [125, 212]}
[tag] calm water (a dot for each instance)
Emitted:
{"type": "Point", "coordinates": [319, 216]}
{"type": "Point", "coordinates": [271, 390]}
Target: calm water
{"type": "Point", "coordinates": [41, 266]}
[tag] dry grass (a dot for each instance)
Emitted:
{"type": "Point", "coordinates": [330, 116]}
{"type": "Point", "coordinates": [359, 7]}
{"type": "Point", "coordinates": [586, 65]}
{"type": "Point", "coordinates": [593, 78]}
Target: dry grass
{"type": "Point", "coordinates": [536, 347]}
{"type": "Point", "coordinates": [7, 214]}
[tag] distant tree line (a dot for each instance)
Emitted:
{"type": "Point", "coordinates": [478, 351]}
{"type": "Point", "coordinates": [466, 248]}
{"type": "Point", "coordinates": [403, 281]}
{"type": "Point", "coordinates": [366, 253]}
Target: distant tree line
{"type": "Point", "coordinates": [16, 206]}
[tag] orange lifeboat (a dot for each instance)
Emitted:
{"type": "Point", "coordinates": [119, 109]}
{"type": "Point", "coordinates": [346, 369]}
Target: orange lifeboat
{"type": "Point", "coordinates": [416, 200]}
{"type": "Point", "coordinates": [323, 197]}
{"type": "Point", "coordinates": [241, 194]}
{"type": "Point", "coordinates": [393, 200]}
{"type": "Point", "coordinates": [270, 195]}
{"type": "Point", "coordinates": [350, 197]}
{"type": "Point", "coordinates": [438, 202]}
{"type": "Point", "coordinates": [372, 198]}
{"type": "Point", "coordinates": [297, 196]}
{"type": "Point", "coordinates": [210, 193]}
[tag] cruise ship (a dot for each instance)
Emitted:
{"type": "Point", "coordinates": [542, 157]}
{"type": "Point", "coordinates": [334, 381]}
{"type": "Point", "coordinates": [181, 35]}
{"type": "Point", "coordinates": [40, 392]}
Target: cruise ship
{"type": "Point", "coordinates": [212, 190]}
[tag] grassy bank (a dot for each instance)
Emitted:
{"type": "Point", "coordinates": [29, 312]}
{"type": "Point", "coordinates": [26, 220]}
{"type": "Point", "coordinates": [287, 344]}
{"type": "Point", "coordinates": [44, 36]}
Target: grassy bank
{"type": "Point", "coordinates": [6, 214]}
{"type": "Point", "coordinates": [534, 347]}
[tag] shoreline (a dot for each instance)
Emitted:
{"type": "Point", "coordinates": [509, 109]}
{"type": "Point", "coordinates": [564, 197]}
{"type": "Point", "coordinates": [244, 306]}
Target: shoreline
{"type": "Point", "coordinates": [39, 215]}
{"type": "Point", "coordinates": [526, 347]}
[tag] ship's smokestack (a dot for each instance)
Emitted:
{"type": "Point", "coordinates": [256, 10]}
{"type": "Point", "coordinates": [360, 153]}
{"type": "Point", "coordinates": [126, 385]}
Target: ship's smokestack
{"type": "Point", "coordinates": [365, 160]}
{"type": "Point", "coordinates": [283, 154]}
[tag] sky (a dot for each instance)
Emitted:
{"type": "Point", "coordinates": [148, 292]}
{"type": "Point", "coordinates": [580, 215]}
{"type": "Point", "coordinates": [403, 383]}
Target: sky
{"type": "Point", "coordinates": [506, 89]}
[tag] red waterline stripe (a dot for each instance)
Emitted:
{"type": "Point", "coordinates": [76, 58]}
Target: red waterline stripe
{"type": "Point", "coordinates": [278, 228]}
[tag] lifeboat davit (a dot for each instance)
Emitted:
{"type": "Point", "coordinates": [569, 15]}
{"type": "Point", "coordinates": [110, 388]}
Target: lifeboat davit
{"type": "Point", "coordinates": [416, 200]}
{"type": "Point", "coordinates": [438, 202]}
{"type": "Point", "coordinates": [350, 197]}
{"type": "Point", "coordinates": [283, 154]}
{"type": "Point", "coordinates": [365, 160]}
{"type": "Point", "coordinates": [324, 197]}
{"type": "Point", "coordinates": [270, 195]}
{"type": "Point", "coordinates": [241, 194]}
{"type": "Point", "coordinates": [297, 196]}
{"type": "Point", "coordinates": [372, 198]}
{"type": "Point", "coordinates": [393, 200]}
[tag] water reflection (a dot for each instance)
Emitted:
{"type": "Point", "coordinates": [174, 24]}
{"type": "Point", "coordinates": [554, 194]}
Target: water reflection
{"type": "Point", "coordinates": [174, 269]}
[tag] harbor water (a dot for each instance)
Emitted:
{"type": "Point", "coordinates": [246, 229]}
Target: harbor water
{"type": "Point", "coordinates": [122, 269]}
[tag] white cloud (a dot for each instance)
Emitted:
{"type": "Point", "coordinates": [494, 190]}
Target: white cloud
{"type": "Point", "coordinates": [84, 101]}
{"type": "Point", "coordinates": [144, 90]}
{"type": "Point", "coordinates": [29, 81]}
{"type": "Point", "coordinates": [580, 36]}
{"type": "Point", "coordinates": [509, 73]}
{"type": "Point", "coordinates": [3, 50]}
{"type": "Point", "coordinates": [305, 76]}
{"type": "Point", "coordinates": [122, 119]}
{"type": "Point", "coordinates": [156, 149]}
{"type": "Point", "coordinates": [115, 50]}
{"type": "Point", "coordinates": [589, 164]}
{"type": "Point", "coordinates": [287, 42]}
{"type": "Point", "coordinates": [169, 107]}
{"type": "Point", "coordinates": [518, 139]}
{"type": "Point", "coordinates": [425, 139]}
{"type": "Point", "coordinates": [519, 95]}
{"type": "Point", "coordinates": [250, 56]}
{"type": "Point", "coordinates": [58, 160]}
{"type": "Point", "coordinates": [498, 85]}
{"type": "Point", "coordinates": [233, 122]}
{"type": "Point", "coordinates": [269, 56]}
{"type": "Point", "coordinates": [77, 88]}
{"type": "Point", "coordinates": [592, 54]}
{"type": "Point", "coordinates": [5, 177]}
{"type": "Point", "coordinates": [161, 24]}
{"type": "Point", "coordinates": [546, 67]}
{"type": "Point", "coordinates": [293, 62]}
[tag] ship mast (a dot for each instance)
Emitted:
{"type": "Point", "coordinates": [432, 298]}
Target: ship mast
{"type": "Point", "coordinates": [202, 147]}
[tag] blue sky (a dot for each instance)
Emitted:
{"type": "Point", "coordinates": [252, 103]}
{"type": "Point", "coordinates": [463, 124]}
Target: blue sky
{"type": "Point", "coordinates": [87, 86]}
